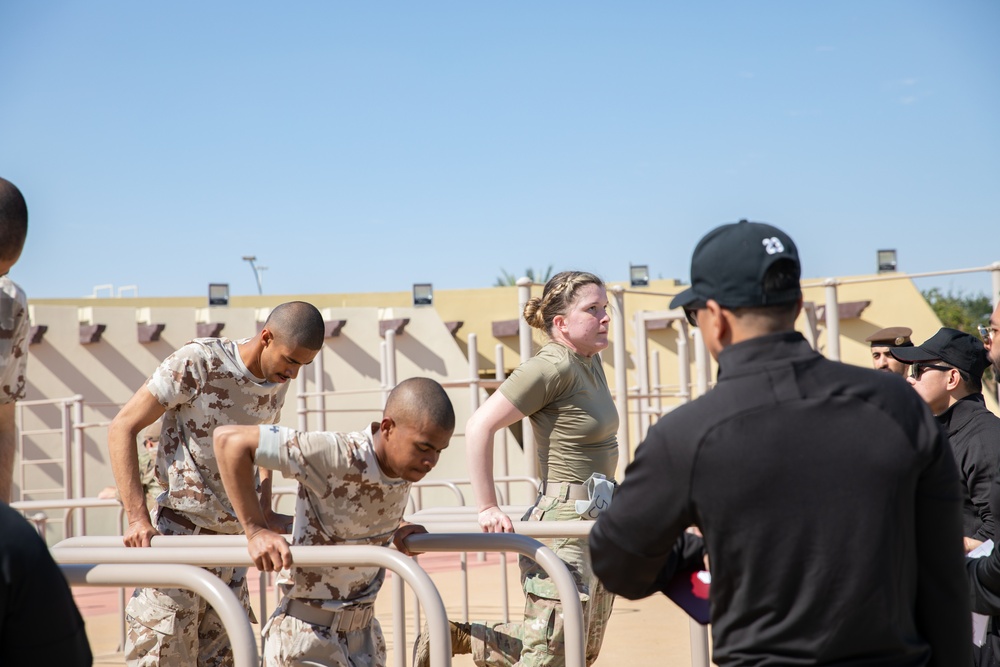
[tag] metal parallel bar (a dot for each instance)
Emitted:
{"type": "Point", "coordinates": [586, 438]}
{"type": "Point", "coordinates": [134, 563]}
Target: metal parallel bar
{"type": "Point", "coordinates": [193, 578]}
{"type": "Point", "coordinates": [204, 555]}
{"type": "Point", "coordinates": [572, 610]}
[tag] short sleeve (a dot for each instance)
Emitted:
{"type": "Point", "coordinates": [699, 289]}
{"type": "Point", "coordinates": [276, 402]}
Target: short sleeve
{"type": "Point", "coordinates": [532, 385]}
{"type": "Point", "coordinates": [177, 379]}
{"type": "Point", "coordinates": [14, 330]}
{"type": "Point", "coordinates": [312, 459]}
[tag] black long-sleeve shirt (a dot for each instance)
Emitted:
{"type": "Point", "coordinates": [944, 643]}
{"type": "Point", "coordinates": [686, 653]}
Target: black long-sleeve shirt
{"type": "Point", "coordinates": [974, 434]}
{"type": "Point", "coordinates": [830, 505]}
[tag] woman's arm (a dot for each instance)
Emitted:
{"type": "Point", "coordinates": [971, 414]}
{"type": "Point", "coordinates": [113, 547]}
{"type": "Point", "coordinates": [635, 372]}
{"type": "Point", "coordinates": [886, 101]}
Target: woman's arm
{"type": "Point", "coordinates": [496, 413]}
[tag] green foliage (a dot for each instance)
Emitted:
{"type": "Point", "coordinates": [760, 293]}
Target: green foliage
{"type": "Point", "coordinates": [509, 279]}
{"type": "Point", "coordinates": [960, 311]}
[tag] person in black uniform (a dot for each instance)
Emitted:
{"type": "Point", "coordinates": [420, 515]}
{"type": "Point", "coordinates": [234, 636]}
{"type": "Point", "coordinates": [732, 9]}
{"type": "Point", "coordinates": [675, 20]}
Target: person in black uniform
{"type": "Point", "coordinates": [947, 372]}
{"type": "Point", "coordinates": [827, 494]}
{"type": "Point", "coordinates": [39, 621]}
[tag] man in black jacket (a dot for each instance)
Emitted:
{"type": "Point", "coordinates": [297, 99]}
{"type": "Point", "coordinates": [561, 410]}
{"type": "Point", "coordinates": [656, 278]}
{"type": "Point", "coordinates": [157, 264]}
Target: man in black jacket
{"type": "Point", "coordinates": [827, 494]}
{"type": "Point", "coordinates": [947, 372]}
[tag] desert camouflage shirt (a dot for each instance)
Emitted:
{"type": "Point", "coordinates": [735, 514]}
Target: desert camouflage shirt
{"type": "Point", "coordinates": [203, 385]}
{"type": "Point", "coordinates": [14, 330]}
{"type": "Point", "coordinates": [343, 498]}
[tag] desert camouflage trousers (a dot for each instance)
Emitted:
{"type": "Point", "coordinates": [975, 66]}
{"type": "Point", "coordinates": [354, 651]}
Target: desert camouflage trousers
{"type": "Point", "coordinates": [290, 642]}
{"type": "Point", "coordinates": [174, 627]}
{"type": "Point", "coordinates": [539, 639]}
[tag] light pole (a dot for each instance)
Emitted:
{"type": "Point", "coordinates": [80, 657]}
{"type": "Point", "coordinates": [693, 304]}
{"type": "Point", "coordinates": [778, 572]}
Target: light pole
{"type": "Point", "coordinates": [257, 270]}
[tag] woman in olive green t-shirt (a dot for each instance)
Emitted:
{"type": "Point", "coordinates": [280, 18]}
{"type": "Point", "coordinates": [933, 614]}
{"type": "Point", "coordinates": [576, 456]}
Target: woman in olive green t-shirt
{"type": "Point", "coordinates": [564, 392]}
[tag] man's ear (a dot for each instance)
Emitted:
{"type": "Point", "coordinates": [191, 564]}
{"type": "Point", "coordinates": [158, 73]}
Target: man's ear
{"type": "Point", "coordinates": [717, 326]}
{"type": "Point", "coordinates": [386, 425]}
{"type": "Point", "coordinates": [266, 336]}
{"type": "Point", "coordinates": [954, 380]}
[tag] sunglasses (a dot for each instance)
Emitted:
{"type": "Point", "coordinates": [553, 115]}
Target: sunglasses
{"type": "Point", "coordinates": [691, 312]}
{"type": "Point", "coordinates": [986, 332]}
{"type": "Point", "coordinates": [916, 370]}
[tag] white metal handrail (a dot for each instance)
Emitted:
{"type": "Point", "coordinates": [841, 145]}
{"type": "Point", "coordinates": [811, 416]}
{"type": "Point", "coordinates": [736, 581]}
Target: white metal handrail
{"type": "Point", "coordinates": [568, 595]}
{"type": "Point", "coordinates": [204, 554]}
{"type": "Point", "coordinates": [178, 575]}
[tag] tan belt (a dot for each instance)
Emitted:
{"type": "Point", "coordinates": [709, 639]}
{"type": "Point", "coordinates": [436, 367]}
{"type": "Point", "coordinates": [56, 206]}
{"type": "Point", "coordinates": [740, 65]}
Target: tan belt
{"type": "Point", "coordinates": [170, 514]}
{"type": "Point", "coordinates": [347, 619]}
{"type": "Point", "coordinates": [565, 490]}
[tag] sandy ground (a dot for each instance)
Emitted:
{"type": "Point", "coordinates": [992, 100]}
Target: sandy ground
{"type": "Point", "coordinates": [646, 632]}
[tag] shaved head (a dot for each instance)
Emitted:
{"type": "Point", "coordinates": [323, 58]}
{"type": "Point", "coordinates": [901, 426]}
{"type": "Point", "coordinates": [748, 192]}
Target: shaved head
{"type": "Point", "coordinates": [13, 220]}
{"type": "Point", "coordinates": [417, 400]}
{"type": "Point", "coordinates": [297, 324]}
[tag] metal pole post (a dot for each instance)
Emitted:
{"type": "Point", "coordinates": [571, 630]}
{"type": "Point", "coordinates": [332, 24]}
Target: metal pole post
{"type": "Point", "coordinates": [642, 371]}
{"type": "Point", "coordinates": [702, 367]}
{"type": "Point", "coordinates": [832, 320]}
{"type": "Point", "coordinates": [301, 402]}
{"type": "Point", "coordinates": [995, 271]}
{"type": "Point", "coordinates": [473, 373]}
{"type": "Point", "coordinates": [683, 361]}
{"type": "Point", "coordinates": [319, 377]}
{"type": "Point", "coordinates": [79, 462]}
{"type": "Point", "coordinates": [621, 377]}
{"type": "Point", "coordinates": [524, 338]}
{"type": "Point", "coordinates": [67, 428]}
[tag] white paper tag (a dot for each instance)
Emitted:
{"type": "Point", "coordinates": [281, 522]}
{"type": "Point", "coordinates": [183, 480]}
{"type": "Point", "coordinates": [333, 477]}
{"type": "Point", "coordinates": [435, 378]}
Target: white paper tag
{"type": "Point", "coordinates": [600, 490]}
{"type": "Point", "coordinates": [980, 622]}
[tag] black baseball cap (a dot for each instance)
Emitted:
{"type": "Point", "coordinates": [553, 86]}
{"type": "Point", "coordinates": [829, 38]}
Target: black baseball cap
{"type": "Point", "coordinates": [729, 263]}
{"type": "Point", "coordinates": [955, 348]}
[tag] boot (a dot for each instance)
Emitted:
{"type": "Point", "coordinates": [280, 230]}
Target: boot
{"type": "Point", "coordinates": [461, 642]}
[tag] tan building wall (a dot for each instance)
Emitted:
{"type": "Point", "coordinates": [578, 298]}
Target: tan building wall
{"type": "Point", "coordinates": [108, 372]}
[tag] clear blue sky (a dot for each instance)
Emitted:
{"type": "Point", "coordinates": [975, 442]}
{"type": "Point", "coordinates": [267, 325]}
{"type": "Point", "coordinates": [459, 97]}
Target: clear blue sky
{"type": "Point", "coordinates": [366, 146]}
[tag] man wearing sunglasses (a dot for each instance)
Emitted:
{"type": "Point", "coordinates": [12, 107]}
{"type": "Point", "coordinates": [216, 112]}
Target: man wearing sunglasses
{"type": "Point", "coordinates": [947, 372]}
{"type": "Point", "coordinates": [826, 494]}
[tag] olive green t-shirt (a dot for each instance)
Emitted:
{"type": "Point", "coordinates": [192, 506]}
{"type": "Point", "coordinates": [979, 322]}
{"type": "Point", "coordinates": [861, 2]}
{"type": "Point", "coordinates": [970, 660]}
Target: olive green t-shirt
{"type": "Point", "coordinates": [572, 413]}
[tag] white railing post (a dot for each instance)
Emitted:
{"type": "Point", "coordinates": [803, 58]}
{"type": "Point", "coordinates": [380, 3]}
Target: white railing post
{"type": "Point", "coordinates": [79, 464]}
{"type": "Point", "coordinates": [67, 435]}
{"type": "Point", "coordinates": [683, 360]}
{"type": "Point", "coordinates": [995, 273]}
{"type": "Point", "coordinates": [699, 644]}
{"type": "Point", "coordinates": [702, 367]}
{"type": "Point", "coordinates": [473, 373]}
{"type": "Point", "coordinates": [832, 314]}
{"type": "Point", "coordinates": [319, 377]}
{"type": "Point", "coordinates": [621, 377]}
{"type": "Point", "coordinates": [657, 388]}
{"type": "Point", "coordinates": [302, 403]}
{"type": "Point", "coordinates": [524, 340]}
{"type": "Point", "coordinates": [205, 584]}
{"type": "Point", "coordinates": [641, 372]}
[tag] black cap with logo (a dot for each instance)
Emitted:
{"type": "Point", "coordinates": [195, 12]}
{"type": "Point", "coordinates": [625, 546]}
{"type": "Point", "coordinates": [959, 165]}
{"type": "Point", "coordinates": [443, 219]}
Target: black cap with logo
{"type": "Point", "coordinates": [955, 348]}
{"type": "Point", "coordinates": [729, 263]}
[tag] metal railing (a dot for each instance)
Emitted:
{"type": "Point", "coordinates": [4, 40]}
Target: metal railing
{"type": "Point", "coordinates": [225, 551]}
{"type": "Point", "coordinates": [92, 573]}
{"type": "Point", "coordinates": [457, 520]}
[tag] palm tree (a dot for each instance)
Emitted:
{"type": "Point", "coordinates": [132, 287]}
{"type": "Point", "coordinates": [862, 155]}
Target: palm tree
{"type": "Point", "coordinates": [509, 279]}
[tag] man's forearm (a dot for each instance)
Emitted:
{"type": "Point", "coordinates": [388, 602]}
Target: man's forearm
{"type": "Point", "coordinates": [125, 468]}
